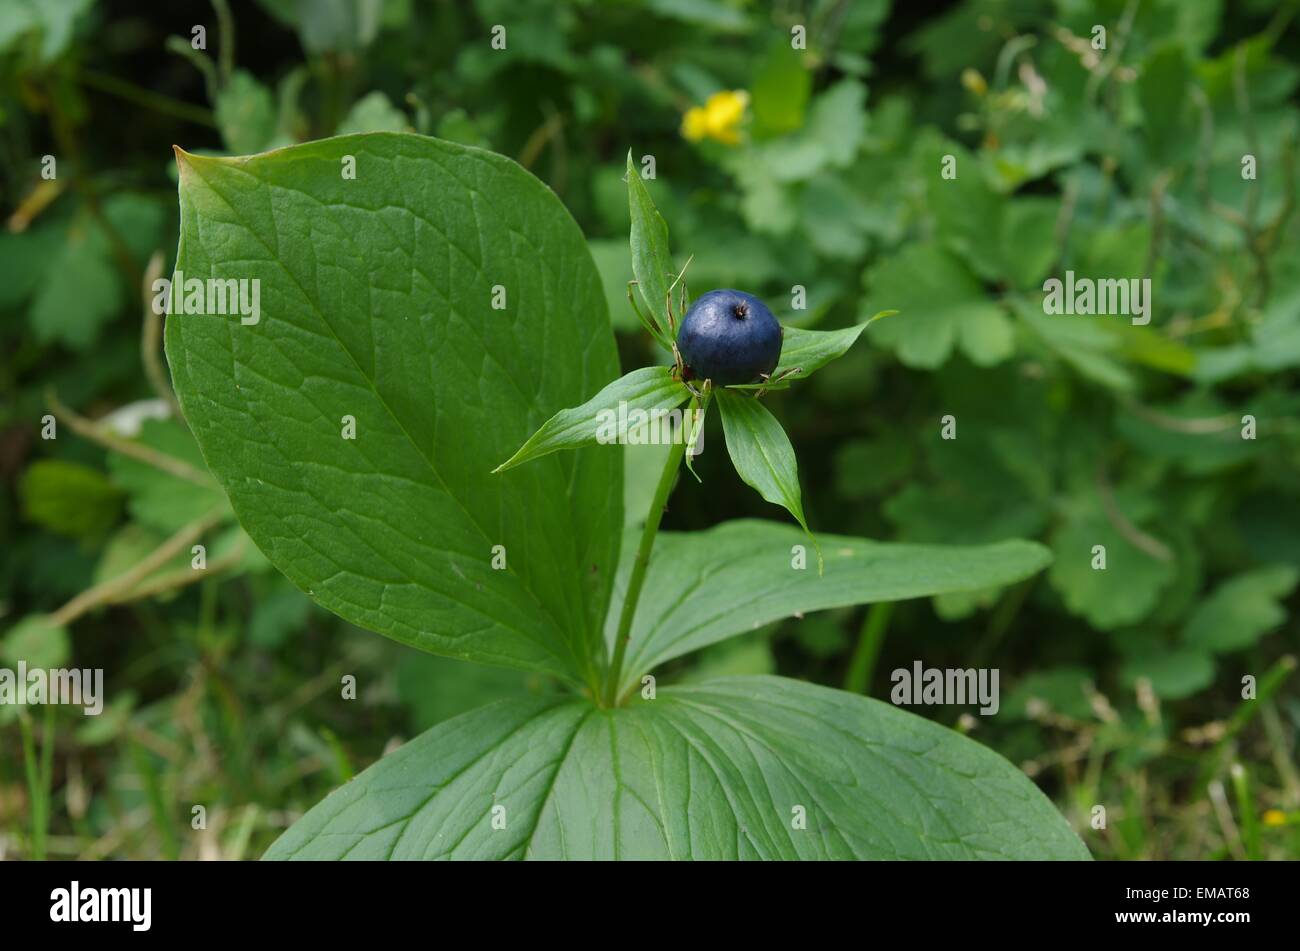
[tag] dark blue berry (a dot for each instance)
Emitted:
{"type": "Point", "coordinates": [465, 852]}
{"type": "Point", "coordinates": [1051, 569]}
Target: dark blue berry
{"type": "Point", "coordinates": [729, 337]}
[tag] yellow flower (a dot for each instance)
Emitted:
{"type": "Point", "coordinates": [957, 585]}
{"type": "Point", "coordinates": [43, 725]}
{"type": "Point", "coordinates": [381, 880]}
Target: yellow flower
{"type": "Point", "coordinates": [1274, 817]}
{"type": "Point", "coordinates": [718, 119]}
{"type": "Point", "coordinates": [695, 124]}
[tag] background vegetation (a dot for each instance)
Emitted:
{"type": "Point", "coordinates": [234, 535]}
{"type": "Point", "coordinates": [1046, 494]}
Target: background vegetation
{"type": "Point", "coordinates": [817, 168]}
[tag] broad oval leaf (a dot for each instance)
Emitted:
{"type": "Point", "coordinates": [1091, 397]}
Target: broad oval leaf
{"type": "Point", "coordinates": [648, 390]}
{"type": "Point", "coordinates": [377, 297]}
{"type": "Point", "coordinates": [715, 771]}
{"type": "Point", "coordinates": [703, 587]}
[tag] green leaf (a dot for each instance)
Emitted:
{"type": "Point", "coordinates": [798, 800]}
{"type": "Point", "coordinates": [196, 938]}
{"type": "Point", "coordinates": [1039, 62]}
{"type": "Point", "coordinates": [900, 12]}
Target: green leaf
{"type": "Point", "coordinates": [1082, 343]}
{"type": "Point", "coordinates": [1199, 453]}
{"type": "Point", "coordinates": [642, 466]}
{"type": "Point", "coordinates": [838, 121]}
{"type": "Point", "coordinates": [373, 112]}
{"type": "Point", "coordinates": [715, 771]}
{"type": "Point", "coordinates": [810, 350]}
{"type": "Point", "coordinates": [1241, 610]}
{"type": "Point", "coordinates": [127, 547]}
{"type": "Point", "coordinates": [54, 20]}
{"type": "Point", "coordinates": [943, 308]}
{"type": "Point", "coordinates": [73, 307]}
{"type": "Point", "coordinates": [158, 499]}
{"type": "Point", "coordinates": [736, 658]}
{"type": "Point", "coordinates": [1174, 673]}
{"type": "Point", "coordinates": [1000, 238]}
{"type": "Point", "coordinates": [284, 610]}
{"type": "Point", "coordinates": [1061, 690]}
{"type": "Point", "coordinates": [832, 215]}
{"type": "Point", "coordinates": [763, 456]}
{"type": "Point", "coordinates": [24, 260]}
{"type": "Point", "coordinates": [711, 14]}
{"type": "Point", "coordinates": [967, 211]}
{"type": "Point", "coordinates": [780, 90]}
{"type": "Point", "coordinates": [37, 642]}
{"type": "Point", "coordinates": [1162, 90]}
{"type": "Point", "coordinates": [1124, 592]}
{"type": "Point", "coordinates": [434, 688]}
{"type": "Point", "coordinates": [69, 498]}
{"type": "Point", "coordinates": [651, 391]}
{"type": "Point", "coordinates": [245, 113]}
{"type": "Point", "coordinates": [652, 262]}
{"type": "Point", "coordinates": [1028, 239]}
{"type": "Point", "coordinates": [704, 587]}
{"type": "Point", "coordinates": [70, 271]}
{"type": "Point", "coordinates": [615, 269]}
{"type": "Point", "coordinates": [382, 311]}
{"type": "Point", "coordinates": [327, 26]}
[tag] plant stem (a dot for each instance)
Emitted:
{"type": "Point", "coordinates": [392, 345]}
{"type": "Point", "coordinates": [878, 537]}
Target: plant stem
{"type": "Point", "coordinates": [146, 98]}
{"type": "Point", "coordinates": [39, 776]}
{"type": "Point", "coordinates": [33, 787]}
{"type": "Point", "coordinates": [1246, 807]}
{"type": "Point", "coordinates": [151, 338]}
{"type": "Point", "coordinates": [639, 566]}
{"type": "Point", "coordinates": [863, 662]}
{"type": "Point", "coordinates": [127, 447]}
{"type": "Point", "coordinates": [117, 587]}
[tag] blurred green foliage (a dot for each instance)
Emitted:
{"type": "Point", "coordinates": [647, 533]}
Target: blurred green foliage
{"type": "Point", "coordinates": [1128, 160]}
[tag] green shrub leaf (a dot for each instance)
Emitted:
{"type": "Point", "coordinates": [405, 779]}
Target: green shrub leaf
{"type": "Point", "coordinates": [722, 770]}
{"type": "Point", "coordinates": [69, 498]}
{"type": "Point", "coordinates": [377, 304]}
{"type": "Point", "coordinates": [810, 350]}
{"type": "Point", "coordinates": [648, 390]}
{"type": "Point", "coordinates": [1242, 609]}
{"type": "Point", "coordinates": [703, 587]}
{"type": "Point", "coordinates": [652, 262]}
{"type": "Point", "coordinates": [944, 308]}
{"type": "Point", "coordinates": [762, 455]}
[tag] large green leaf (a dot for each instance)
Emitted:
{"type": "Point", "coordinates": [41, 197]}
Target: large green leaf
{"type": "Point", "coordinates": [646, 391]}
{"type": "Point", "coordinates": [721, 770]}
{"type": "Point", "coordinates": [704, 587]}
{"type": "Point", "coordinates": [377, 301]}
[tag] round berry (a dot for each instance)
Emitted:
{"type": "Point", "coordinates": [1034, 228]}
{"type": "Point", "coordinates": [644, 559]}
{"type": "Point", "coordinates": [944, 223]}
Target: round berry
{"type": "Point", "coordinates": [729, 337]}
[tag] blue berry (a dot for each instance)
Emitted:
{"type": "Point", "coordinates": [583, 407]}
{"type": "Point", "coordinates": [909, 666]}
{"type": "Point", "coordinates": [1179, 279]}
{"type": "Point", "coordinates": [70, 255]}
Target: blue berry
{"type": "Point", "coordinates": [729, 337]}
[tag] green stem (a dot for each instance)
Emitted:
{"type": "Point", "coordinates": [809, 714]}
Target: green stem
{"type": "Point", "coordinates": [639, 566]}
{"type": "Point", "coordinates": [106, 83]}
{"type": "Point", "coordinates": [1246, 806]}
{"type": "Point", "coordinates": [39, 777]}
{"type": "Point", "coordinates": [863, 662]}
